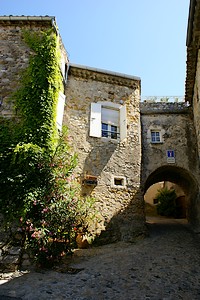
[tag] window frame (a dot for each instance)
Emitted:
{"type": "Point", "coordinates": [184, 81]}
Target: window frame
{"type": "Point", "coordinates": [118, 186]}
{"type": "Point", "coordinates": [159, 135]}
{"type": "Point", "coordinates": [96, 120]}
{"type": "Point", "coordinates": [108, 132]}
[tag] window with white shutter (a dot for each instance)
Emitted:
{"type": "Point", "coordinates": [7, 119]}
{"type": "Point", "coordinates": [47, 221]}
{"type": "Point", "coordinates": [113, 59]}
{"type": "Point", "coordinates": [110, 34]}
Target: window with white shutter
{"type": "Point", "coordinates": [108, 121]}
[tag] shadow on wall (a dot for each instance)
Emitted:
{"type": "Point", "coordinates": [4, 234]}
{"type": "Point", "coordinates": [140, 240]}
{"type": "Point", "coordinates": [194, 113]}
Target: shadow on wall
{"type": "Point", "coordinates": [126, 225]}
{"type": "Point", "coordinates": [96, 160]}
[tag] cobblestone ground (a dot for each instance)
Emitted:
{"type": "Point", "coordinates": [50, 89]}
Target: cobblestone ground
{"type": "Point", "coordinates": [165, 265]}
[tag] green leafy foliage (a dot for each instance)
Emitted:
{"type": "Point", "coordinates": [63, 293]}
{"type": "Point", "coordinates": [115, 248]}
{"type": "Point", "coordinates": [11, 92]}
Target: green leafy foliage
{"type": "Point", "coordinates": [41, 82]}
{"type": "Point", "coordinates": [166, 202]}
{"type": "Point", "coordinates": [53, 211]}
{"type": "Point", "coordinates": [38, 188]}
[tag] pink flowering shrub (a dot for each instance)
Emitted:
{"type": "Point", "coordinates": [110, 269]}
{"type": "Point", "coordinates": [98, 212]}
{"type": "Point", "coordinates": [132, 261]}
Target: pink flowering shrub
{"type": "Point", "coordinates": [54, 209]}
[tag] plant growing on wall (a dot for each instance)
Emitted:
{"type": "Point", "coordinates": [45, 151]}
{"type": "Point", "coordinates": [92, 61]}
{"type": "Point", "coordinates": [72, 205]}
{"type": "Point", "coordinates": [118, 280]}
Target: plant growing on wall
{"type": "Point", "coordinates": [37, 98]}
{"type": "Point", "coordinates": [37, 165]}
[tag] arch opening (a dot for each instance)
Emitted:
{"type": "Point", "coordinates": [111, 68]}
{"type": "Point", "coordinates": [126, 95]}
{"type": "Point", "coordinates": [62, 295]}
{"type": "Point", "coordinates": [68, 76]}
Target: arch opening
{"type": "Point", "coordinates": [173, 200]}
{"type": "Point", "coordinates": [185, 186]}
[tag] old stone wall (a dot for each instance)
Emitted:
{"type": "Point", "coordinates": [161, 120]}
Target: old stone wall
{"type": "Point", "coordinates": [14, 55]}
{"type": "Point", "coordinates": [196, 102]}
{"type": "Point", "coordinates": [14, 58]}
{"type": "Point", "coordinates": [106, 158]}
{"type": "Point", "coordinates": [174, 121]}
{"type": "Point", "coordinates": [116, 172]}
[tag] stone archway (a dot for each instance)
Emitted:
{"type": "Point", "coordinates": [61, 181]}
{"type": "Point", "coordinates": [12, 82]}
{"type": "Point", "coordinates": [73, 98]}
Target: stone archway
{"type": "Point", "coordinates": [186, 181]}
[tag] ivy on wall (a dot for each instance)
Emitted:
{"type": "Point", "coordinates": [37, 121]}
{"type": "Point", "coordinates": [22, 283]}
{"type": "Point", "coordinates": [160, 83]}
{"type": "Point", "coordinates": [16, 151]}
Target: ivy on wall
{"type": "Point", "coordinates": [36, 100]}
{"type": "Point", "coordinates": [36, 165]}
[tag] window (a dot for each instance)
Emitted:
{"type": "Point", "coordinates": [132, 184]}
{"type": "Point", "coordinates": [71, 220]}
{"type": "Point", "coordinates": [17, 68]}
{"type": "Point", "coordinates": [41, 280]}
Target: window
{"type": "Point", "coordinates": [118, 182]}
{"type": "Point", "coordinates": [110, 123]}
{"type": "Point", "coordinates": [108, 120]}
{"type": "Point", "coordinates": [155, 136]}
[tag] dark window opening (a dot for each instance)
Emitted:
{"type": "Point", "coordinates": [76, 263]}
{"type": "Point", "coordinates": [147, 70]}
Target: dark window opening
{"type": "Point", "coordinates": [118, 181]}
{"type": "Point", "coordinates": [109, 131]}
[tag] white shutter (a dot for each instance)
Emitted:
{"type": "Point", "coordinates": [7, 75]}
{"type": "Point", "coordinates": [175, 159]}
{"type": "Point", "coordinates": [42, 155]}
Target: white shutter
{"type": "Point", "coordinates": [60, 110]}
{"type": "Point", "coordinates": [95, 120]}
{"type": "Point", "coordinates": [123, 123]}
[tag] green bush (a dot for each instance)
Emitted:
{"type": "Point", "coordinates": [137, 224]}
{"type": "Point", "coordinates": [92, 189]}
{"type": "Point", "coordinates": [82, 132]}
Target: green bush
{"type": "Point", "coordinates": [166, 202]}
{"type": "Point", "coordinates": [43, 195]}
{"type": "Point", "coordinates": [38, 188]}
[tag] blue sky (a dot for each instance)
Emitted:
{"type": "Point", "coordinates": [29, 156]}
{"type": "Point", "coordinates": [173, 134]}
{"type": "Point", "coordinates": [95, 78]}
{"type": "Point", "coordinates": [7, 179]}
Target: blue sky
{"type": "Point", "coordinates": [145, 38]}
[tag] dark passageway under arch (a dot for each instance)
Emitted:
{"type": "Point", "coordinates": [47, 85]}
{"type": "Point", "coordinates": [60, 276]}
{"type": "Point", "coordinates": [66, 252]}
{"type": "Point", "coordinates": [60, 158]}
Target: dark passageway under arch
{"type": "Point", "coordinates": [185, 180]}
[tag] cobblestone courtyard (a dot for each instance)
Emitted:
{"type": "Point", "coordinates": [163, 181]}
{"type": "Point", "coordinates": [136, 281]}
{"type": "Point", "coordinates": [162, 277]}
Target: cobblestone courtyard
{"type": "Point", "coordinates": [165, 265]}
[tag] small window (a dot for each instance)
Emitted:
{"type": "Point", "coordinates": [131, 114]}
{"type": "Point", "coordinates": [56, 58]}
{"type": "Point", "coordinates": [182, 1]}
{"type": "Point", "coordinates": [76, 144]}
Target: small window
{"type": "Point", "coordinates": [155, 136]}
{"type": "Point", "coordinates": [118, 181]}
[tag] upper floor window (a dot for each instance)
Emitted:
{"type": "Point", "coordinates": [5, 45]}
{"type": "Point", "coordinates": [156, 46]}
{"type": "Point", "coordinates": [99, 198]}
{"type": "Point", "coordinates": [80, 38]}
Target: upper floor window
{"type": "Point", "coordinates": [110, 123]}
{"type": "Point", "coordinates": [108, 120]}
{"type": "Point", "coordinates": [155, 136]}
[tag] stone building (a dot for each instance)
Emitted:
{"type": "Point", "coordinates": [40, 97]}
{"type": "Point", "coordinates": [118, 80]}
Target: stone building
{"type": "Point", "coordinates": [169, 151]}
{"type": "Point", "coordinates": [192, 84]}
{"type": "Point", "coordinates": [103, 116]}
{"type": "Point", "coordinates": [14, 54]}
{"type": "Point", "coordinates": [124, 146]}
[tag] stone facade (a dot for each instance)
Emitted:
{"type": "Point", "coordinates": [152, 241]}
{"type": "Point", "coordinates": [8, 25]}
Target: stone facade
{"type": "Point", "coordinates": [174, 121]}
{"type": "Point", "coordinates": [192, 87]}
{"type": "Point", "coordinates": [196, 104]}
{"type": "Point", "coordinates": [118, 161]}
{"type": "Point", "coordinates": [105, 158]}
{"type": "Point", "coordinates": [14, 54]}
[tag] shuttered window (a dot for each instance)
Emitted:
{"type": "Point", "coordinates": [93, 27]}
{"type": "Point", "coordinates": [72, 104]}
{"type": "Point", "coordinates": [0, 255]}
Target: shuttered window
{"type": "Point", "coordinates": [107, 121]}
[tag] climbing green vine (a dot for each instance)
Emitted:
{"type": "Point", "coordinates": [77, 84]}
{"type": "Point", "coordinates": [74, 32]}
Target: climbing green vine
{"type": "Point", "coordinates": [36, 99]}
{"type": "Point", "coordinates": [36, 164]}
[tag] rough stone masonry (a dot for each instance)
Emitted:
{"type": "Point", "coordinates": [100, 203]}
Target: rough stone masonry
{"type": "Point", "coordinates": [111, 132]}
